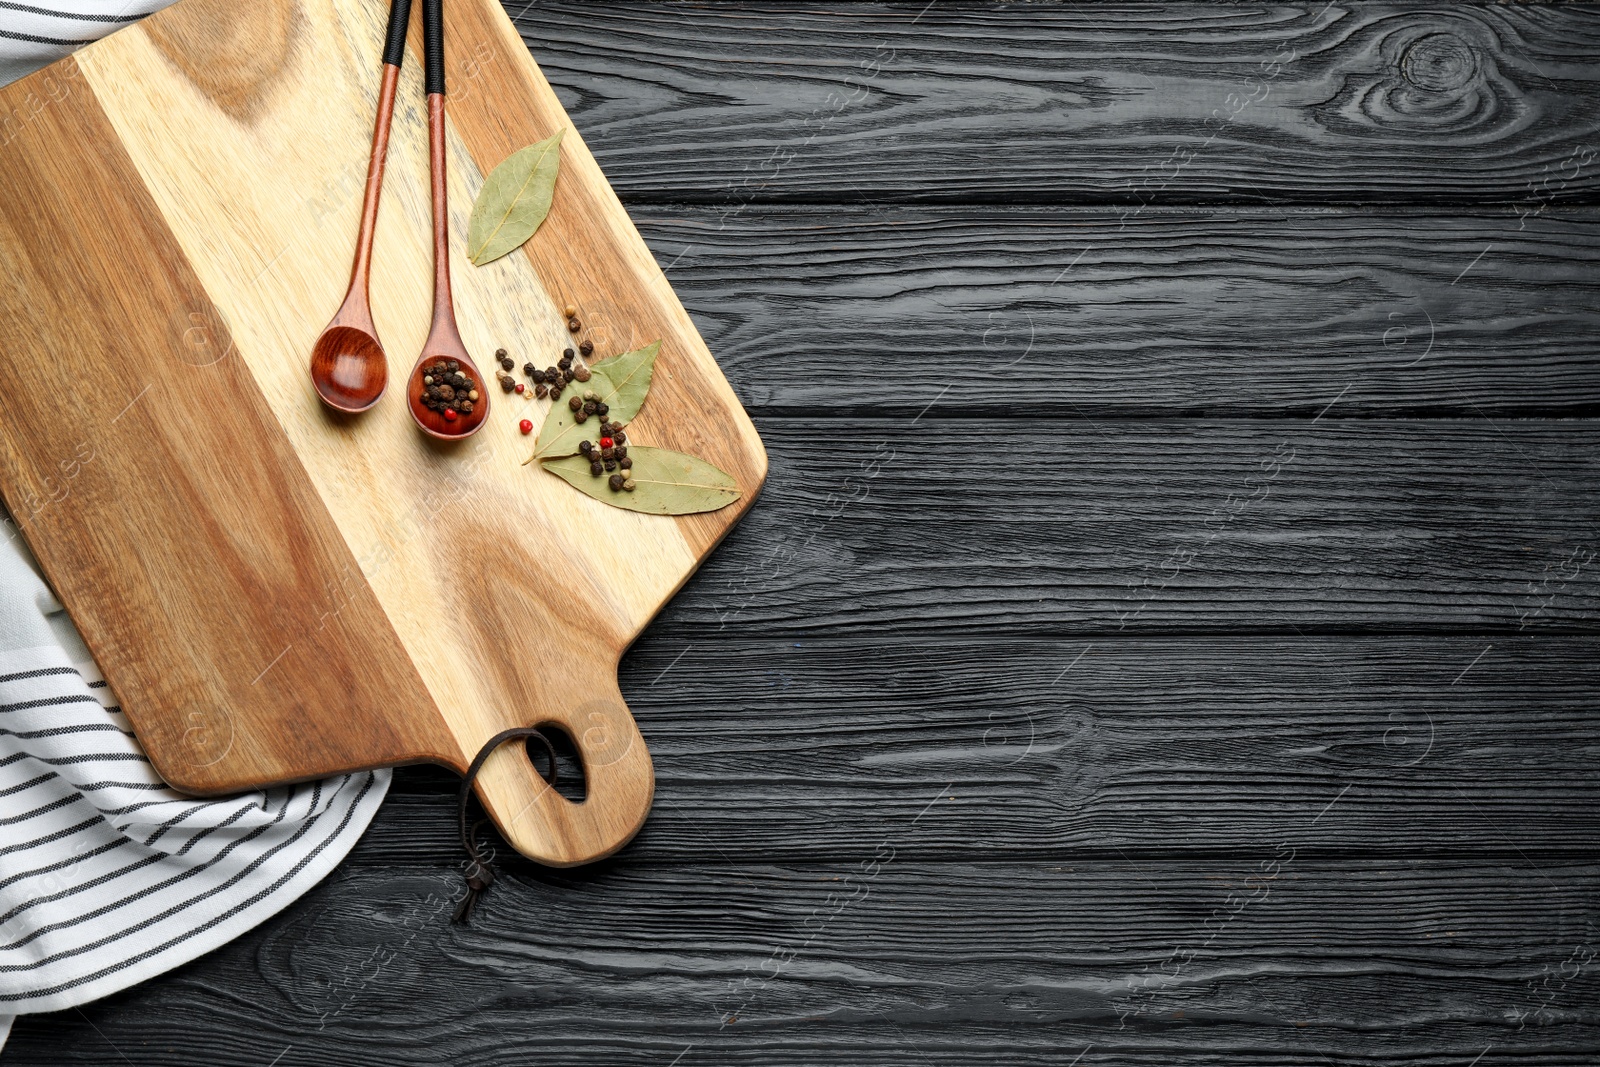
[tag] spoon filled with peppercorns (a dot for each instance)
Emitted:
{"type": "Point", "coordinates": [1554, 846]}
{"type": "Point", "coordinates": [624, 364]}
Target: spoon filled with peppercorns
{"type": "Point", "coordinates": [445, 392]}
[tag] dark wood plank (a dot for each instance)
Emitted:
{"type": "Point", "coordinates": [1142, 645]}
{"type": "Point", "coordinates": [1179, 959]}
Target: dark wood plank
{"type": "Point", "coordinates": [1220, 312]}
{"type": "Point", "coordinates": [1135, 105]}
{"type": "Point", "coordinates": [1396, 746]}
{"type": "Point", "coordinates": [1180, 312]}
{"type": "Point", "coordinates": [1272, 958]}
{"type": "Point", "coordinates": [895, 525]}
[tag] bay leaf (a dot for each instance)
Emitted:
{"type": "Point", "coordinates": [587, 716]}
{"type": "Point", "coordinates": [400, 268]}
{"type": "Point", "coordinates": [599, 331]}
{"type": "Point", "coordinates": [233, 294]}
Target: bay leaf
{"type": "Point", "coordinates": [621, 382]}
{"type": "Point", "coordinates": [514, 201]}
{"type": "Point", "coordinates": [666, 482]}
{"type": "Point", "coordinates": [627, 381]}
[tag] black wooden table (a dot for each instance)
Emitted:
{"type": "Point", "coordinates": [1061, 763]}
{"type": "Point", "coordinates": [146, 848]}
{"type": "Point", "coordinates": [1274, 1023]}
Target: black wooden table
{"type": "Point", "coordinates": [1169, 633]}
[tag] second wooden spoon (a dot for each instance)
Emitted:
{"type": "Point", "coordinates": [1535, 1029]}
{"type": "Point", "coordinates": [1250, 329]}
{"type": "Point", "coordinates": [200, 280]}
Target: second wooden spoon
{"type": "Point", "coordinates": [444, 340]}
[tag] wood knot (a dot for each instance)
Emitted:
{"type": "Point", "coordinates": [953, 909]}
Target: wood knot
{"type": "Point", "coordinates": [1433, 76]}
{"type": "Point", "coordinates": [1439, 63]}
{"type": "Point", "coordinates": [235, 54]}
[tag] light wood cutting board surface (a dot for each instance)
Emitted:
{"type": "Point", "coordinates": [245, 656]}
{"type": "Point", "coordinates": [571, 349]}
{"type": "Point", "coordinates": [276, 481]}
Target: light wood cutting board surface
{"type": "Point", "coordinates": [276, 593]}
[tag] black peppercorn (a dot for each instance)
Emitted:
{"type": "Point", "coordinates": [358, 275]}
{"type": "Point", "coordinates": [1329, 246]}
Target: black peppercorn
{"type": "Point", "coordinates": [573, 325]}
{"type": "Point", "coordinates": [602, 409]}
{"type": "Point", "coordinates": [499, 353]}
{"type": "Point", "coordinates": [587, 348]}
{"type": "Point", "coordinates": [551, 372]}
{"type": "Point", "coordinates": [583, 374]}
{"type": "Point", "coordinates": [575, 404]}
{"type": "Point", "coordinates": [568, 354]}
{"type": "Point", "coordinates": [506, 364]}
{"type": "Point", "coordinates": [625, 464]}
{"type": "Point", "coordinates": [611, 464]}
{"type": "Point", "coordinates": [586, 447]}
{"type": "Point", "coordinates": [616, 482]}
{"type": "Point", "coordinates": [580, 416]}
{"type": "Point", "coordinates": [541, 391]}
{"type": "Point", "coordinates": [596, 468]}
{"type": "Point", "coordinates": [621, 451]}
{"type": "Point", "coordinates": [531, 371]}
{"type": "Point", "coordinates": [589, 408]}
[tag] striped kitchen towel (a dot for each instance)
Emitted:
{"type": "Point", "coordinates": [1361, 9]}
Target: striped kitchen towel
{"type": "Point", "coordinates": [33, 35]}
{"type": "Point", "coordinates": [107, 877]}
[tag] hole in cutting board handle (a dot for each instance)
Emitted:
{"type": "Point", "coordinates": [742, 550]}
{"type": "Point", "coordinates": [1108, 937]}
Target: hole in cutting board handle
{"type": "Point", "coordinates": [571, 782]}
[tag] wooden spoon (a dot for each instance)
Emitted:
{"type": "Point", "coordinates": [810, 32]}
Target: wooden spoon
{"type": "Point", "coordinates": [444, 340]}
{"type": "Point", "coordinates": [348, 367]}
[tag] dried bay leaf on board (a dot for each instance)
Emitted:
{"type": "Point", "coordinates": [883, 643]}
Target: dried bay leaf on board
{"type": "Point", "coordinates": [514, 201]}
{"type": "Point", "coordinates": [621, 382]}
{"type": "Point", "coordinates": [666, 482]}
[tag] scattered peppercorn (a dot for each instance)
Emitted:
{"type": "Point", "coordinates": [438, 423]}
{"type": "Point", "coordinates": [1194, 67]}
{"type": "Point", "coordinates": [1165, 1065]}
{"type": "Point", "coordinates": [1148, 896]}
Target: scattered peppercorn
{"type": "Point", "coordinates": [602, 409]}
{"type": "Point", "coordinates": [507, 383]}
{"type": "Point", "coordinates": [520, 387]}
{"type": "Point", "coordinates": [589, 407]}
{"type": "Point", "coordinates": [627, 483]}
{"type": "Point", "coordinates": [568, 354]}
{"type": "Point", "coordinates": [583, 374]}
{"type": "Point", "coordinates": [596, 468]}
{"type": "Point", "coordinates": [580, 416]}
{"type": "Point", "coordinates": [575, 404]}
{"type": "Point", "coordinates": [499, 353]}
{"type": "Point", "coordinates": [526, 426]}
{"type": "Point", "coordinates": [625, 464]}
{"type": "Point", "coordinates": [506, 364]}
{"type": "Point", "coordinates": [616, 482]}
{"type": "Point", "coordinates": [587, 348]}
{"type": "Point", "coordinates": [573, 325]}
{"type": "Point", "coordinates": [531, 371]}
{"type": "Point", "coordinates": [610, 464]}
{"type": "Point", "coordinates": [569, 311]}
{"type": "Point", "coordinates": [607, 442]}
{"type": "Point", "coordinates": [586, 447]}
{"type": "Point", "coordinates": [541, 391]}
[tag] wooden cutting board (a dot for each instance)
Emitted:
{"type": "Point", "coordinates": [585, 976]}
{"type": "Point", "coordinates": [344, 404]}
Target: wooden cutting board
{"type": "Point", "coordinates": [275, 593]}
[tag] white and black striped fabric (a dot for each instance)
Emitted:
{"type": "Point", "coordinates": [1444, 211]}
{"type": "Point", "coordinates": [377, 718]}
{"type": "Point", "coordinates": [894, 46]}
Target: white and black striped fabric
{"type": "Point", "coordinates": [35, 34]}
{"type": "Point", "coordinates": [107, 877]}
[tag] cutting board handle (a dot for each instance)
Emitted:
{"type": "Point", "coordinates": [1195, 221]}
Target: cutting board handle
{"type": "Point", "coordinates": [619, 781]}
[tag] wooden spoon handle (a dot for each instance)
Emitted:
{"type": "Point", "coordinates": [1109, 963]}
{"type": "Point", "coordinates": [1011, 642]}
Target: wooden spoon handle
{"type": "Point", "coordinates": [619, 781]}
{"type": "Point", "coordinates": [394, 54]}
{"type": "Point", "coordinates": [433, 62]}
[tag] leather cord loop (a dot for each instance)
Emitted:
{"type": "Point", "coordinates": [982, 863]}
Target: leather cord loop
{"type": "Point", "coordinates": [480, 872]}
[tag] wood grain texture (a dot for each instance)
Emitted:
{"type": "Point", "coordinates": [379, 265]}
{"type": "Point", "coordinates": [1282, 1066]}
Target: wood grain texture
{"type": "Point", "coordinates": [798, 751]}
{"type": "Point", "coordinates": [1140, 104]}
{"type": "Point", "coordinates": [894, 527]}
{"type": "Point", "coordinates": [1271, 958]}
{"type": "Point", "coordinates": [1238, 312]}
{"type": "Point", "coordinates": [151, 480]}
{"type": "Point", "coordinates": [259, 207]}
